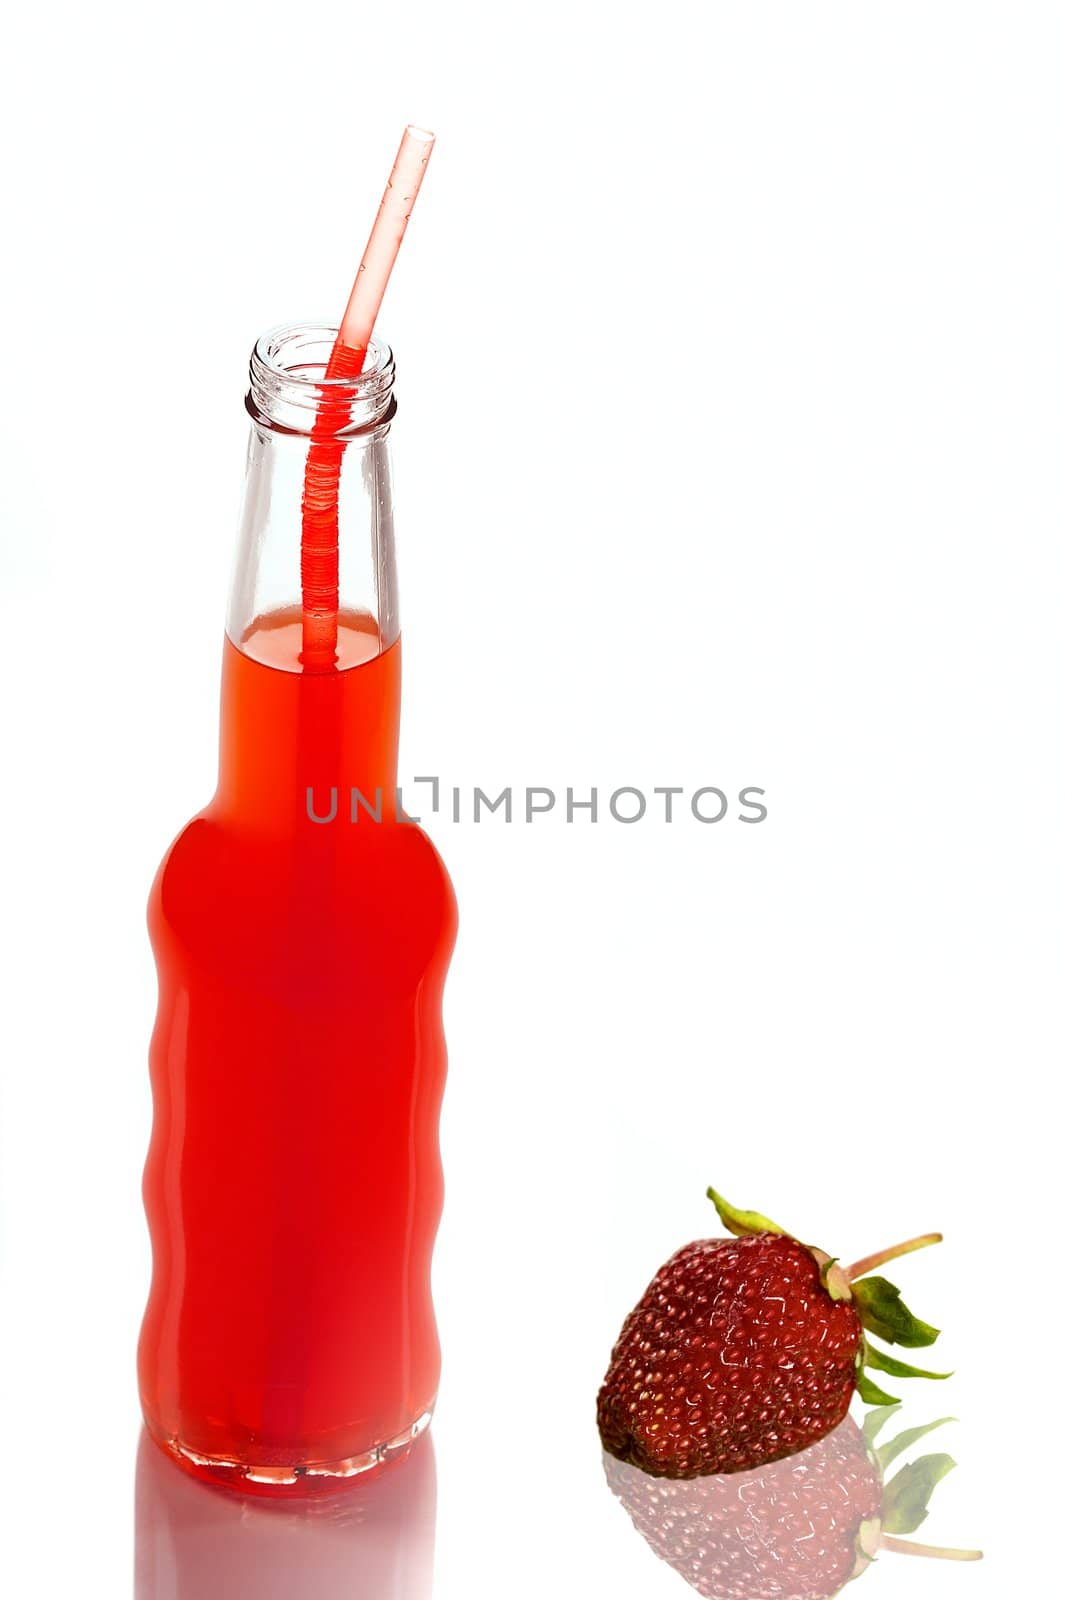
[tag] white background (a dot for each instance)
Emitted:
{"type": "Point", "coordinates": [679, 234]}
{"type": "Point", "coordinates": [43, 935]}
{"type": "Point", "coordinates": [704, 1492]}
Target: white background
{"type": "Point", "coordinates": [731, 347]}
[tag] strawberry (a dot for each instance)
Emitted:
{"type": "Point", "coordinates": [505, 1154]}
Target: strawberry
{"type": "Point", "coordinates": [798, 1529]}
{"type": "Point", "coordinates": [747, 1349]}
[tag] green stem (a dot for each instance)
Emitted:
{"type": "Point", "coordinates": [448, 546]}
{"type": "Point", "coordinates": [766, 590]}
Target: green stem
{"type": "Point", "coordinates": [907, 1547]}
{"type": "Point", "coordinates": [867, 1263]}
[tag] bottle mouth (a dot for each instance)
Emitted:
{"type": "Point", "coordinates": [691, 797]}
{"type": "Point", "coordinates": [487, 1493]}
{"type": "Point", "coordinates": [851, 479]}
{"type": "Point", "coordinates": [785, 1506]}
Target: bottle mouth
{"type": "Point", "coordinates": [289, 389]}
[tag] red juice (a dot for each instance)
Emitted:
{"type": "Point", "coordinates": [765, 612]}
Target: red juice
{"type": "Point", "coordinates": [293, 1184]}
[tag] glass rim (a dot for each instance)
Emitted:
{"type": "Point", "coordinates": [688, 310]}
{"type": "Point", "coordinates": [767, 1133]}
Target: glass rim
{"type": "Point", "coordinates": [289, 391]}
{"type": "Point", "coordinates": [269, 346]}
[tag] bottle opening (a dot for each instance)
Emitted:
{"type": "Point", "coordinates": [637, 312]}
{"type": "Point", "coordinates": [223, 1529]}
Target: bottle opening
{"type": "Point", "coordinates": [288, 387]}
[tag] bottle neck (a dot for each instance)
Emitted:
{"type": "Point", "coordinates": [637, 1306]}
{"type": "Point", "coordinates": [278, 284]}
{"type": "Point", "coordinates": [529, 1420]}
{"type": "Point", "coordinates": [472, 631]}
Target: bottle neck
{"type": "Point", "coordinates": [306, 723]}
{"type": "Point", "coordinates": [316, 527]}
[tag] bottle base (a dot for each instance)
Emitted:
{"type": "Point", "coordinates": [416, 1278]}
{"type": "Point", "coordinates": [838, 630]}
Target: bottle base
{"type": "Point", "coordinates": [304, 1477]}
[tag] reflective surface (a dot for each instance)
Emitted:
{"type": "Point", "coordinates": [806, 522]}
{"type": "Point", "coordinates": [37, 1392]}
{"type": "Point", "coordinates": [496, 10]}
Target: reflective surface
{"type": "Point", "coordinates": [797, 1529]}
{"type": "Point", "coordinates": [372, 1538]}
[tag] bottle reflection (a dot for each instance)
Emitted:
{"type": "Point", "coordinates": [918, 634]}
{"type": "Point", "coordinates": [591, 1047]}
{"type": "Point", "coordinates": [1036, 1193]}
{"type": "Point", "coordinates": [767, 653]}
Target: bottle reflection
{"type": "Point", "coordinates": [373, 1537]}
{"type": "Point", "coordinates": [797, 1529]}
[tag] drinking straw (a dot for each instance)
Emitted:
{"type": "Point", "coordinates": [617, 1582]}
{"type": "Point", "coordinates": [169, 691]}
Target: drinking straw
{"type": "Point", "coordinates": [319, 543]}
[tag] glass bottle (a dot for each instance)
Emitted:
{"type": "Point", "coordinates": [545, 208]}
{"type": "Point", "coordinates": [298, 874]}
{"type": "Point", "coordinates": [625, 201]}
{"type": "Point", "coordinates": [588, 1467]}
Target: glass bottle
{"type": "Point", "coordinates": [302, 929]}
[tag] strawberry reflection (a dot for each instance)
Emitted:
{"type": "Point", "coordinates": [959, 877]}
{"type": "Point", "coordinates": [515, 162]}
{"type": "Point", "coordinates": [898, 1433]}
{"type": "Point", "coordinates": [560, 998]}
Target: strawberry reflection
{"type": "Point", "coordinates": [797, 1529]}
{"type": "Point", "coordinates": [372, 1537]}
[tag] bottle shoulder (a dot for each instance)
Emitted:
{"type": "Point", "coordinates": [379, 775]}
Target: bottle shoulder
{"type": "Point", "coordinates": [211, 841]}
{"type": "Point", "coordinates": [368, 894]}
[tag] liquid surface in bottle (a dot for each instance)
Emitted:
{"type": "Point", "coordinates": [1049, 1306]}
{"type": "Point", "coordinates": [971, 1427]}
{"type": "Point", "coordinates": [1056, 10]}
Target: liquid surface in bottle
{"type": "Point", "coordinates": [293, 1184]}
{"type": "Point", "coordinates": [277, 638]}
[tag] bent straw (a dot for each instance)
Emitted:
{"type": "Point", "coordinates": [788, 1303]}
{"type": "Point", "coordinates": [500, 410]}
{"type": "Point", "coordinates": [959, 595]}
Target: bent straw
{"type": "Point", "coordinates": [319, 544]}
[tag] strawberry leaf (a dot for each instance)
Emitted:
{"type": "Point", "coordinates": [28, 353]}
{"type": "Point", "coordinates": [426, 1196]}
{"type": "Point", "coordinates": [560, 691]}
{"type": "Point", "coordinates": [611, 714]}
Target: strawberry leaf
{"type": "Point", "coordinates": [742, 1223]}
{"type": "Point", "coordinates": [906, 1497]}
{"type": "Point", "coordinates": [875, 1421]}
{"type": "Point", "coordinates": [883, 1312]}
{"type": "Point", "coordinates": [891, 1451]}
{"type": "Point", "coordinates": [882, 1362]}
{"type": "Point", "coordinates": [869, 1391]}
